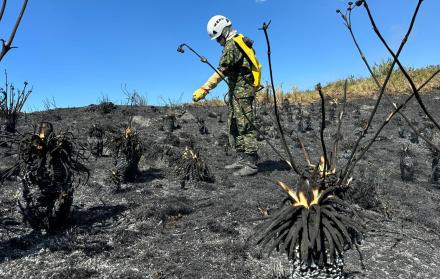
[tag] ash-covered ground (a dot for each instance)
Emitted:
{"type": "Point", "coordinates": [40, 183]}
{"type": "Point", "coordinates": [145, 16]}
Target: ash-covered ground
{"type": "Point", "coordinates": [155, 229]}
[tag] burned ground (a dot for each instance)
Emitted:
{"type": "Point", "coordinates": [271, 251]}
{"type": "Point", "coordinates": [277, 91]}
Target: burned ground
{"type": "Point", "coordinates": [153, 228]}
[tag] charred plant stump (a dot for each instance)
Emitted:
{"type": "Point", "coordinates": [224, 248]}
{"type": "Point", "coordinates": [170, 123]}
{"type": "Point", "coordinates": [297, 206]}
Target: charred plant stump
{"type": "Point", "coordinates": [127, 152]}
{"type": "Point", "coordinates": [106, 107]}
{"type": "Point", "coordinates": [169, 124]}
{"type": "Point", "coordinates": [402, 131]}
{"type": "Point", "coordinates": [435, 174]}
{"type": "Point", "coordinates": [285, 108]}
{"type": "Point", "coordinates": [407, 164]}
{"type": "Point", "coordinates": [413, 137]}
{"type": "Point", "coordinates": [356, 113]}
{"type": "Point", "coordinates": [332, 110]}
{"type": "Point", "coordinates": [203, 130]}
{"type": "Point", "coordinates": [191, 168]}
{"type": "Point", "coordinates": [296, 141]}
{"type": "Point", "coordinates": [48, 165]}
{"type": "Point", "coordinates": [223, 142]}
{"type": "Point", "coordinates": [298, 112]}
{"type": "Point", "coordinates": [95, 140]}
{"type": "Point", "coordinates": [305, 124]}
{"type": "Point", "coordinates": [290, 117]}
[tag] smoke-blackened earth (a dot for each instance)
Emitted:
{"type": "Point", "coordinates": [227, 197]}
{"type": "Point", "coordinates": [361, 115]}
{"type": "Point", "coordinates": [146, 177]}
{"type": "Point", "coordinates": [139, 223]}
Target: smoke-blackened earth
{"type": "Point", "coordinates": [154, 228]}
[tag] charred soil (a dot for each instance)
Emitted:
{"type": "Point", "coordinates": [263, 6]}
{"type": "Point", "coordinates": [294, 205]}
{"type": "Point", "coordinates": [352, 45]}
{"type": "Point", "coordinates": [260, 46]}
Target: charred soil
{"type": "Point", "coordinates": [154, 228]}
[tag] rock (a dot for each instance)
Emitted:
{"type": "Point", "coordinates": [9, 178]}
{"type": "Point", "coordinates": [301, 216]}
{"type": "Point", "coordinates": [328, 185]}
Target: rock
{"type": "Point", "coordinates": [367, 107]}
{"type": "Point", "coordinates": [141, 121]}
{"type": "Point", "coordinates": [188, 117]}
{"type": "Point", "coordinates": [106, 152]}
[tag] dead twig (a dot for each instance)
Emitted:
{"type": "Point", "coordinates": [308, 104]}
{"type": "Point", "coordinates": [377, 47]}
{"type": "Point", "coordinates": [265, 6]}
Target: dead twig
{"type": "Point", "coordinates": [348, 24]}
{"type": "Point", "coordinates": [277, 116]}
{"type": "Point", "coordinates": [334, 154]}
{"type": "Point", "coordinates": [2, 11]}
{"type": "Point", "coordinates": [6, 46]}
{"type": "Point", "coordinates": [349, 165]}
{"type": "Point", "coordinates": [321, 132]}
{"type": "Point", "coordinates": [306, 154]}
{"type": "Point", "coordinates": [396, 58]}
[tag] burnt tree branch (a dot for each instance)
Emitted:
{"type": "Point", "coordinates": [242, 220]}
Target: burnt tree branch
{"type": "Point", "coordinates": [6, 46]}
{"type": "Point", "coordinates": [321, 132]}
{"type": "Point", "coordinates": [334, 157]}
{"type": "Point", "coordinates": [345, 173]}
{"type": "Point", "coordinates": [396, 59]}
{"type": "Point", "coordinates": [348, 24]}
{"type": "Point", "coordinates": [277, 115]}
{"type": "Point", "coordinates": [2, 11]}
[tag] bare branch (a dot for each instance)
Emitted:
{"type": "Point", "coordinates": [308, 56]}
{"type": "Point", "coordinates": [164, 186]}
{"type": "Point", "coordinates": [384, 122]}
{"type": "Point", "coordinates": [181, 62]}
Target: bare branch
{"type": "Point", "coordinates": [387, 120]}
{"type": "Point", "coordinates": [2, 11]}
{"type": "Point", "coordinates": [349, 27]}
{"type": "Point", "coordinates": [321, 132]}
{"type": "Point", "coordinates": [306, 154]}
{"type": "Point", "coordinates": [8, 45]}
{"type": "Point", "coordinates": [396, 59]}
{"type": "Point", "coordinates": [334, 157]}
{"type": "Point", "coordinates": [277, 116]}
{"type": "Point", "coordinates": [382, 90]}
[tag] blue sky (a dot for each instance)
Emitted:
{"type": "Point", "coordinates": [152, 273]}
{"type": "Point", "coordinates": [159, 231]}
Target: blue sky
{"type": "Point", "coordinates": [78, 51]}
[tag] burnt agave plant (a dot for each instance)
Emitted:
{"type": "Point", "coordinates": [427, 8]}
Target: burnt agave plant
{"type": "Point", "coordinates": [95, 140]}
{"type": "Point", "coordinates": [50, 167]}
{"type": "Point", "coordinates": [127, 152]}
{"type": "Point", "coordinates": [313, 228]}
{"type": "Point", "coordinates": [190, 167]}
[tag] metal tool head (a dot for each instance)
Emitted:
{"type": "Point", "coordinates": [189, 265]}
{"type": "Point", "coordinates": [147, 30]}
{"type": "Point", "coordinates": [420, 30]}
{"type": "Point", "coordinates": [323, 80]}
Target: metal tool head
{"type": "Point", "coordinates": [180, 48]}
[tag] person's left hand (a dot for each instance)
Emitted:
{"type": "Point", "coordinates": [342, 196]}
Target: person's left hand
{"type": "Point", "coordinates": [200, 94]}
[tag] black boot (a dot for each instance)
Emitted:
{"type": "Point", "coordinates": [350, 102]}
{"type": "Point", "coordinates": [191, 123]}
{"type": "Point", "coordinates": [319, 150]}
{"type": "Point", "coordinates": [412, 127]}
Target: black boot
{"type": "Point", "coordinates": [239, 163]}
{"type": "Point", "coordinates": [249, 166]}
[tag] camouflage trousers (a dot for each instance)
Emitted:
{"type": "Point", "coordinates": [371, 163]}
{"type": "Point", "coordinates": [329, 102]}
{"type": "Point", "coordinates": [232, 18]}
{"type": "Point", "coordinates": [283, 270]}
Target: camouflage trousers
{"type": "Point", "coordinates": [240, 117]}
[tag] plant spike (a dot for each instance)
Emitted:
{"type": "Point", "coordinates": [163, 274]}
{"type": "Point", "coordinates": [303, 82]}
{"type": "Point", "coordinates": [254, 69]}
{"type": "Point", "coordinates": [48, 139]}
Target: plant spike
{"type": "Point", "coordinates": [333, 159]}
{"type": "Point", "coordinates": [306, 154]}
{"type": "Point", "coordinates": [321, 132]}
{"type": "Point", "coordinates": [277, 116]}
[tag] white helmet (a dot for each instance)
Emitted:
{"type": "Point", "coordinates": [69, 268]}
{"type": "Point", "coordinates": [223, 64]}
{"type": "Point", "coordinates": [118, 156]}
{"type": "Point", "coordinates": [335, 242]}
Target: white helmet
{"type": "Point", "coordinates": [216, 25]}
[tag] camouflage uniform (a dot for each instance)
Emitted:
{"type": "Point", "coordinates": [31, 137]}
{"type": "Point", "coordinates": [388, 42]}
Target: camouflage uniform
{"type": "Point", "coordinates": [237, 68]}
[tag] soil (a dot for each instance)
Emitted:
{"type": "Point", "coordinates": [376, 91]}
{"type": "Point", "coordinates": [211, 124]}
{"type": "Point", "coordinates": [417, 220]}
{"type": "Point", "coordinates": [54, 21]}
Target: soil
{"type": "Point", "coordinates": [154, 228]}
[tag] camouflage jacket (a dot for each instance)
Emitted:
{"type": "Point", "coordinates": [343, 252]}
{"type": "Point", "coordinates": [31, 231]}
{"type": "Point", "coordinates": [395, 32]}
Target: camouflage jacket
{"type": "Point", "coordinates": [237, 68]}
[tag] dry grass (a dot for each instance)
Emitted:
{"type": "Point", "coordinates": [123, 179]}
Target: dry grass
{"type": "Point", "coordinates": [357, 87]}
